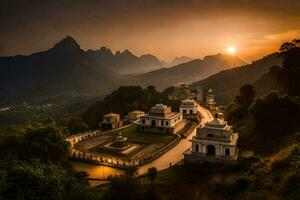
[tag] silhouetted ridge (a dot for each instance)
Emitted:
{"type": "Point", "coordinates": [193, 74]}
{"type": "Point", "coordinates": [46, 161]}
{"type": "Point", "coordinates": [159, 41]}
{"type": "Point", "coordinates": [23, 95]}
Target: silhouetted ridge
{"type": "Point", "coordinates": [105, 51]}
{"type": "Point", "coordinates": [67, 43]}
{"type": "Point", "coordinates": [125, 62]}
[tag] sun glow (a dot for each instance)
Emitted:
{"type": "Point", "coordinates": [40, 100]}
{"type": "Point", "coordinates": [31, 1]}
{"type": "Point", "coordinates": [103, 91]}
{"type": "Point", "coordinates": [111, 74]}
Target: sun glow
{"type": "Point", "coordinates": [231, 50]}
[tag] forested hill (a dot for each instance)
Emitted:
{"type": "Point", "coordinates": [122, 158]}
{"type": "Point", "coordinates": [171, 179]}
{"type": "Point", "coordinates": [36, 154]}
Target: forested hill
{"type": "Point", "coordinates": [126, 99]}
{"type": "Point", "coordinates": [226, 84]}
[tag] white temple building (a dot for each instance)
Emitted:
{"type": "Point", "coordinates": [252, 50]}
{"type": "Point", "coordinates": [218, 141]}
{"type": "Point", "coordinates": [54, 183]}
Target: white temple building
{"type": "Point", "coordinates": [161, 119]}
{"type": "Point", "coordinates": [135, 115]}
{"type": "Point", "coordinates": [214, 141]}
{"type": "Point", "coordinates": [189, 110]}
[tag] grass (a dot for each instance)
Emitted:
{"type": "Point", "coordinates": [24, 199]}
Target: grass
{"type": "Point", "coordinates": [133, 134]}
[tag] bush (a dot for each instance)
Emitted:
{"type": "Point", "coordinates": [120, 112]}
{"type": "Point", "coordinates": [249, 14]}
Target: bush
{"type": "Point", "coordinates": [230, 189]}
{"type": "Point", "coordinates": [291, 190]}
{"type": "Point", "coordinates": [280, 165]}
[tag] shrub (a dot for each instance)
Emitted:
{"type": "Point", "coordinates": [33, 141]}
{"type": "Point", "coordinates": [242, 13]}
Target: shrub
{"type": "Point", "coordinates": [290, 189]}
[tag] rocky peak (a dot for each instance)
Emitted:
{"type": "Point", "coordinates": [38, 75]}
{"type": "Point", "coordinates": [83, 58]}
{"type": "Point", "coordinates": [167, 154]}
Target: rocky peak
{"type": "Point", "coordinates": [67, 43]}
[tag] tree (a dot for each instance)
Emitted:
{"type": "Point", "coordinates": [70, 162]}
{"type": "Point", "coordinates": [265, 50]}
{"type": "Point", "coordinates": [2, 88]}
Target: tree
{"type": "Point", "coordinates": [152, 174]}
{"type": "Point", "coordinates": [287, 46]}
{"type": "Point", "coordinates": [45, 142]}
{"type": "Point", "coordinates": [275, 114]}
{"type": "Point", "coordinates": [238, 110]}
{"type": "Point", "coordinates": [76, 125]}
{"type": "Point", "coordinates": [291, 67]}
{"type": "Point", "coordinates": [38, 180]}
{"type": "Point", "coordinates": [246, 96]}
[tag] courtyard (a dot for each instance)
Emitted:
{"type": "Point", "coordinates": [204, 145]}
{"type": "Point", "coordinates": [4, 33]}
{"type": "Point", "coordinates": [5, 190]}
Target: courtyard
{"type": "Point", "coordinates": [139, 145]}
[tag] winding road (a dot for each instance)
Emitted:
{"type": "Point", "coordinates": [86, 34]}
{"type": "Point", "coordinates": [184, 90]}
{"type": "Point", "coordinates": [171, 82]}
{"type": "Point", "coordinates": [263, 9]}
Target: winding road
{"type": "Point", "coordinates": [175, 155]}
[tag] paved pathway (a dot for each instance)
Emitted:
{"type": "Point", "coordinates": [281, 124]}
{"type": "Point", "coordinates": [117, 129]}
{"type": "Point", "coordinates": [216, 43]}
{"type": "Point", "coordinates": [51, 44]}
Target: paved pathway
{"type": "Point", "coordinates": [175, 155]}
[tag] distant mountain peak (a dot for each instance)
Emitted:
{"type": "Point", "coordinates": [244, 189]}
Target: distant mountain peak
{"type": "Point", "coordinates": [127, 53]}
{"type": "Point", "coordinates": [148, 56]}
{"type": "Point", "coordinates": [232, 60]}
{"type": "Point", "coordinates": [105, 51]}
{"type": "Point", "coordinates": [180, 60]}
{"type": "Point", "coordinates": [103, 48]}
{"type": "Point", "coordinates": [68, 43]}
{"type": "Point", "coordinates": [118, 53]}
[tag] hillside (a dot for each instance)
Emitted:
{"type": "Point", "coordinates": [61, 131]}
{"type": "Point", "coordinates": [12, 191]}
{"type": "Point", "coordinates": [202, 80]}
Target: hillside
{"type": "Point", "coordinates": [226, 83]}
{"type": "Point", "coordinates": [125, 62]}
{"type": "Point", "coordinates": [126, 99]}
{"type": "Point", "coordinates": [191, 71]}
{"type": "Point", "coordinates": [64, 70]}
{"type": "Point", "coordinates": [268, 82]}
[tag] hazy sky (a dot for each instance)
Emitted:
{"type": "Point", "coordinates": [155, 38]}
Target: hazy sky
{"type": "Point", "coordinates": [165, 28]}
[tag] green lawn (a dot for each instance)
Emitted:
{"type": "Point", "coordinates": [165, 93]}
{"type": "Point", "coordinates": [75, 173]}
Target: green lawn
{"type": "Point", "coordinates": [133, 134]}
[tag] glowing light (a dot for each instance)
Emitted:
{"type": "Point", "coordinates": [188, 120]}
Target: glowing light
{"type": "Point", "coordinates": [231, 50]}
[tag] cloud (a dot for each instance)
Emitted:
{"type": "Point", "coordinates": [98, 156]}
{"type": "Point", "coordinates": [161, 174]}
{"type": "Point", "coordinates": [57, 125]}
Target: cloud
{"type": "Point", "coordinates": [284, 36]}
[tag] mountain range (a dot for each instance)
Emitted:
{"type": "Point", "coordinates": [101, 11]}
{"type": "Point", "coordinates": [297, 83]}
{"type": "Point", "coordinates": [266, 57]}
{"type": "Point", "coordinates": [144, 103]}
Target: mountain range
{"type": "Point", "coordinates": [179, 60]}
{"type": "Point", "coordinates": [61, 70]}
{"type": "Point", "coordinates": [125, 62]}
{"type": "Point", "coordinates": [191, 71]}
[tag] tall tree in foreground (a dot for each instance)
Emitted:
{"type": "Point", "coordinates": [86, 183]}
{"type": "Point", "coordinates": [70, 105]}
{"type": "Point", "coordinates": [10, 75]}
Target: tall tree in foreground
{"type": "Point", "coordinates": [290, 51]}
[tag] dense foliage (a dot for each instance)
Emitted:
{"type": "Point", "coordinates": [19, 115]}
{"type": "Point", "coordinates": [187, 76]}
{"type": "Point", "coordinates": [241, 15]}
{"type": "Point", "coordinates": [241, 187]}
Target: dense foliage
{"type": "Point", "coordinates": [34, 165]}
{"type": "Point", "coordinates": [239, 108]}
{"type": "Point", "coordinates": [291, 67]}
{"type": "Point", "coordinates": [276, 114]}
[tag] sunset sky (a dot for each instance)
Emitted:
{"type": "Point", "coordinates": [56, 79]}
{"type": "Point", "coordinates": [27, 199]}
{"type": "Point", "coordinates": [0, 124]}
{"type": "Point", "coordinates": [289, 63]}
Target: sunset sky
{"type": "Point", "coordinates": [165, 28]}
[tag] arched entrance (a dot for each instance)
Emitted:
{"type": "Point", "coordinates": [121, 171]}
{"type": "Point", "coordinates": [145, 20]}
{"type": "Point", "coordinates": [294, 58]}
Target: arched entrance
{"type": "Point", "coordinates": [153, 123]}
{"type": "Point", "coordinates": [227, 152]}
{"type": "Point", "coordinates": [211, 150]}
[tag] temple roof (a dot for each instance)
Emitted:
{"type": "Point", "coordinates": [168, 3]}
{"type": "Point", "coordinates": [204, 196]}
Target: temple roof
{"type": "Point", "coordinates": [111, 115]}
{"type": "Point", "coordinates": [217, 123]}
{"type": "Point", "coordinates": [188, 101]}
{"type": "Point", "coordinates": [137, 112]}
{"type": "Point", "coordinates": [160, 106]}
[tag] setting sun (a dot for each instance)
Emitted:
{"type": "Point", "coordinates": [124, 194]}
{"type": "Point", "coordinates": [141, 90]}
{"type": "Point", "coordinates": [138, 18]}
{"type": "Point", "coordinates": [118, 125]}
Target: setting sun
{"type": "Point", "coordinates": [231, 50]}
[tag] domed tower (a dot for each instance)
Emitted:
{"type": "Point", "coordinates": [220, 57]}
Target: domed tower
{"type": "Point", "coordinates": [210, 99]}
